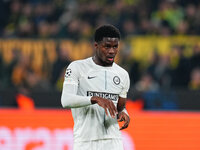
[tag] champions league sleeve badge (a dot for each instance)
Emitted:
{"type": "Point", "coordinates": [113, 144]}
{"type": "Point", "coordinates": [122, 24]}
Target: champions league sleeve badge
{"type": "Point", "coordinates": [68, 73]}
{"type": "Point", "coordinates": [116, 80]}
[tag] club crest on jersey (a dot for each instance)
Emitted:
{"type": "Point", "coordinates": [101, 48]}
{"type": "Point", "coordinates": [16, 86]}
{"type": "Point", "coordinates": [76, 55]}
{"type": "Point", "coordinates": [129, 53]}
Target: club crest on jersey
{"type": "Point", "coordinates": [116, 80]}
{"type": "Point", "coordinates": [68, 73]}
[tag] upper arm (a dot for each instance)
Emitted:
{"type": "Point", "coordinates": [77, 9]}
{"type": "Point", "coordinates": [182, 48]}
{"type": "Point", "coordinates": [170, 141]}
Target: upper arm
{"type": "Point", "coordinates": [69, 98]}
{"type": "Point", "coordinates": [123, 94]}
{"type": "Point", "coordinates": [71, 80]}
{"type": "Point", "coordinates": [125, 86]}
{"type": "Point", "coordinates": [72, 74]}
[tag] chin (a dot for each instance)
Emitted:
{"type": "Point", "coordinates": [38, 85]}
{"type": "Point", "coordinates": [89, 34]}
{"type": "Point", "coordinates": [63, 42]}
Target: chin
{"type": "Point", "coordinates": [109, 63]}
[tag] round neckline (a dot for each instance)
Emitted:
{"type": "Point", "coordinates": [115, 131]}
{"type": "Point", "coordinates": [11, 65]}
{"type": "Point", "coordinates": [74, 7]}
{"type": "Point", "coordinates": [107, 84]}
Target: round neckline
{"type": "Point", "coordinates": [99, 66]}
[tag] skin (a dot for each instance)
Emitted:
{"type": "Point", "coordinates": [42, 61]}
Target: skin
{"type": "Point", "coordinates": [123, 117]}
{"type": "Point", "coordinates": [105, 52]}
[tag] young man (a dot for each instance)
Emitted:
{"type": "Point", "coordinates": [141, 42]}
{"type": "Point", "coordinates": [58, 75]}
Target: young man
{"type": "Point", "coordinates": [95, 89]}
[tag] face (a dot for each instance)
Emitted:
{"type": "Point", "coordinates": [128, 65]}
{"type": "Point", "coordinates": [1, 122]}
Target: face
{"type": "Point", "coordinates": [106, 51]}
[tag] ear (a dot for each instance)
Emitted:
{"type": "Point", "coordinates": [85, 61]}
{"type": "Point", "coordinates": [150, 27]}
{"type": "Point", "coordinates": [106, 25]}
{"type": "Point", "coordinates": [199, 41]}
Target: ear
{"type": "Point", "coordinates": [95, 45]}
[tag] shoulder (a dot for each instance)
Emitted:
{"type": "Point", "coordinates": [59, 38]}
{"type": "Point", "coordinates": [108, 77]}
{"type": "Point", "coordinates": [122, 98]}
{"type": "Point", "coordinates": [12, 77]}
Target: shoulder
{"type": "Point", "coordinates": [76, 68]}
{"type": "Point", "coordinates": [121, 70]}
{"type": "Point", "coordinates": [79, 63]}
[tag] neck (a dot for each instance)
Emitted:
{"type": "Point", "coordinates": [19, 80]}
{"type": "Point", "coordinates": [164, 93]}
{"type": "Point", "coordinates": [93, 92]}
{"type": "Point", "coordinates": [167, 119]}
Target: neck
{"type": "Point", "coordinates": [100, 62]}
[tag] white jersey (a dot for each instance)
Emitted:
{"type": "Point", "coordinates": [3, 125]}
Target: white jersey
{"type": "Point", "coordinates": [91, 122]}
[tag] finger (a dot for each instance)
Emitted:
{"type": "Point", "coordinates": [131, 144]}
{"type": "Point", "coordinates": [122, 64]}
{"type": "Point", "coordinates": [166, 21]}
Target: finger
{"type": "Point", "coordinates": [106, 111]}
{"type": "Point", "coordinates": [120, 119]}
{"type": "Point", "coordinates": [124, 126]}
{"type": "Point", "coordinates": [112, 113]}
{"type": "Point", "coordinates": [126, 123]}
{"type": "Point", "coordinates": [111, 104]}
{"type": "Point", "coordinates": [112, 109]}
{"type": "Point", "coordinates": [115, 108]}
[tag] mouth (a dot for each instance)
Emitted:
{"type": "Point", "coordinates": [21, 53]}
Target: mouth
{"type": "Point", "coordinates": [110, 59]}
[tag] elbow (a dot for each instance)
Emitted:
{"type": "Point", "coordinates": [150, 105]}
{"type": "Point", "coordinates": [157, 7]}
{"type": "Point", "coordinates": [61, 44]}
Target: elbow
{"type": "Point", "coordinates": [64, 102]}
{"type": "Point", "coordinates": [65, 105]}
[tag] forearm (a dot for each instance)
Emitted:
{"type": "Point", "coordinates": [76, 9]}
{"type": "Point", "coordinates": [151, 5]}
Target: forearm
{"type": "Point", "coordinates": [70, 99]}
{"type": "Point", "coordinates": [121, 104]}
{"type": "Point", "coordinates": [74, 101]}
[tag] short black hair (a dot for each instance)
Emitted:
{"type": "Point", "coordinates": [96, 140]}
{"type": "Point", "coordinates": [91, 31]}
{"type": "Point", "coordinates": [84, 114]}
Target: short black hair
{"type": "Point", "coordinates": [107, 30]}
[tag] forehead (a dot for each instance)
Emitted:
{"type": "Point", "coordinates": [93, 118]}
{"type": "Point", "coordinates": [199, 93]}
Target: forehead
{"type": "Point", "coordinates": [109, 39]}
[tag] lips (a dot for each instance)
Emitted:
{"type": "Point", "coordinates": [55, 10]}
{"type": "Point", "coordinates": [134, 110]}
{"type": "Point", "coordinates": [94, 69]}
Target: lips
{"type": "Point", "coordinates": [110, 58]}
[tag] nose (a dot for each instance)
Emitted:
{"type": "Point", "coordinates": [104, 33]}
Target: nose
{"type": "Point", "coordinates": [111, 50]}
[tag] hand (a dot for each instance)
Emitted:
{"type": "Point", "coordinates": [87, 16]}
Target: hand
{"type": "Point", "coordinates": [122, 116]}
{"type": "Point", "coordinates": [107, 105]}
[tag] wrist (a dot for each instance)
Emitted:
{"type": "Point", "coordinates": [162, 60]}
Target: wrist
{"type": "Point", "coordinates": [93, 100]}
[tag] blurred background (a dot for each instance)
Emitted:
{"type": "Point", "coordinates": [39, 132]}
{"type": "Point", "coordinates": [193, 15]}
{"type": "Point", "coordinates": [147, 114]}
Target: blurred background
{"type": "Point", "coordinates": [160, 48]}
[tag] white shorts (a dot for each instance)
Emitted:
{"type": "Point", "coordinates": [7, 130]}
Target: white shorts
{"type": "Point", "coordinates": [105, 144]}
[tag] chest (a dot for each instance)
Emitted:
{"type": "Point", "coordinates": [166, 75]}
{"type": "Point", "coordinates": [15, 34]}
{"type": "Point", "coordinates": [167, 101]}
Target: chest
{"type": "Point", "coordinates": [101, 81]}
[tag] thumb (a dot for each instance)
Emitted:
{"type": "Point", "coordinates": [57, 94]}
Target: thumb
{"type": "Point", "coordinates": [120, 118]}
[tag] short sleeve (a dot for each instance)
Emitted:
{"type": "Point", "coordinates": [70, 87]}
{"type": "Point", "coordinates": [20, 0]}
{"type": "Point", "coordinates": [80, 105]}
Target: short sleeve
{"type": "Point", "coordinates": [72, 74]}
{"type": "Point", "coordinates": [126, 86]}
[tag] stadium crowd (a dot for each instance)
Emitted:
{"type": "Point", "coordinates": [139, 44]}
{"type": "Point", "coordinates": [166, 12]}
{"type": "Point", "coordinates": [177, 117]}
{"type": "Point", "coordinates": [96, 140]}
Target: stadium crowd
{"type": "Point", "coordinates": [77, 19]}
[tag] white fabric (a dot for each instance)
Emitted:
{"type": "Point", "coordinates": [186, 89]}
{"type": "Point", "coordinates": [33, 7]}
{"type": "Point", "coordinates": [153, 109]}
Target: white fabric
{"type": "Point", "coordinates": [84, 79]}
{"type": "Point", "coordinates": [107, 144]}
{"type": "Point", "coordinates": [70, 100]}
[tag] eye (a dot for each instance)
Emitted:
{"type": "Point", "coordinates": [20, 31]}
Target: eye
{"type": "Point", "coordinates": [115, 46]}
{"type": "Point", "coordinates": [107, 46]}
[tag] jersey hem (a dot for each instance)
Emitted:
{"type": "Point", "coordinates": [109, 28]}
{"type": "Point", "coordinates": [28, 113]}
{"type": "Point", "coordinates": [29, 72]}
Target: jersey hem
{"type": "Point", "coordinates": [97, 139]}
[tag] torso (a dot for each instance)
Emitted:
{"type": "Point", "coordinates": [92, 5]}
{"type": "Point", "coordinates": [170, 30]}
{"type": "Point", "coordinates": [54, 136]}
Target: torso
{"type": "Point", "coordinates": [91, 122]}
